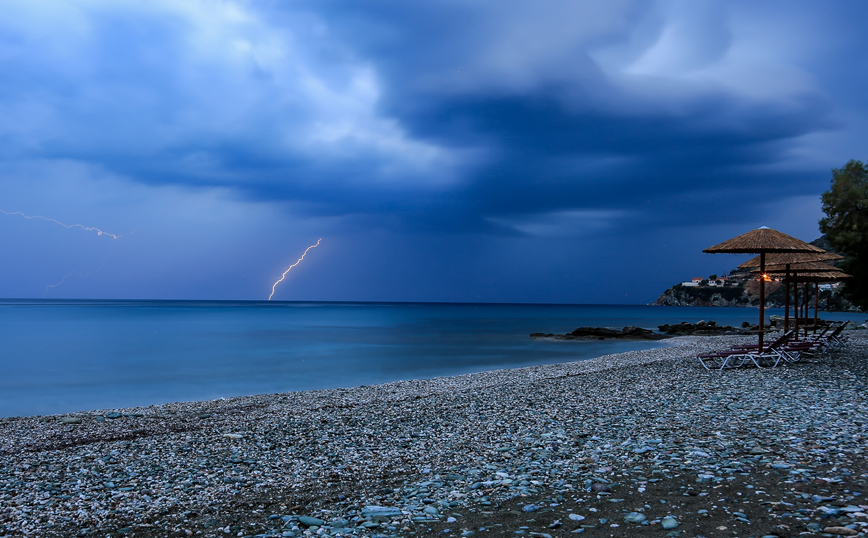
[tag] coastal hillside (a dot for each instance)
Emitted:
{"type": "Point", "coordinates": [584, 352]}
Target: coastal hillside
{"type": "Point", "coordinates": [740, 288]}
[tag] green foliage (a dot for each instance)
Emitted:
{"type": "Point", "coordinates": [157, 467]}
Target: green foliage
{"type": "Point", "coordinates": [846, 226]}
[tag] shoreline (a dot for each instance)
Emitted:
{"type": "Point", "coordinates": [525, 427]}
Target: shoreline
{"type": "Point", "coordinates": [536, 447]}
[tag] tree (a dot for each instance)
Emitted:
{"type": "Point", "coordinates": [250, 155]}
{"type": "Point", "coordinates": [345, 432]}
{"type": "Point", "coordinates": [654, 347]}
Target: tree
{"type": "Point", "coordinates": [846, 226]}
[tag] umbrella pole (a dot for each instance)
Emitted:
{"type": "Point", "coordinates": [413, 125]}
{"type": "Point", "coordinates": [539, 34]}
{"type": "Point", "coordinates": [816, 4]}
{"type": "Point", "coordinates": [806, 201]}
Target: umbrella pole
{"type": "Point", "coordinates": [807, 305]}
{"type": "Point", "coordinates": [787, 300]}
{"type": "Point", "coordinates": [796, 307]}
{"type": "Point", "coordinates": [816, 305]}
{"type": "Point", "coordinates": [762, 314]}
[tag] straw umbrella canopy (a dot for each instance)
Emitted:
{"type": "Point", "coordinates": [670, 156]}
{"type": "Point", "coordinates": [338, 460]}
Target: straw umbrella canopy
{"type": "Point", "coordinates": [785, 258]}
{"type": "Point", "coordinates": [822, 276]}
{"type": "Point", "coordinates": [763, 241]}
{"type": "Point", "coordinates": [804, 267]}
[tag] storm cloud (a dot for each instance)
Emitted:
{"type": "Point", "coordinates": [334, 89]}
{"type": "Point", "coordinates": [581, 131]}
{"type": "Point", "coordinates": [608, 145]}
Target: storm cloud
{"type": "Point", "coordinates": [507, 140]}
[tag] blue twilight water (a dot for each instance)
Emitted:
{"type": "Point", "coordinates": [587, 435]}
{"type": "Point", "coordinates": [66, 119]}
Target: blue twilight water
{"type": "Point", "coordinates": [64, 356]}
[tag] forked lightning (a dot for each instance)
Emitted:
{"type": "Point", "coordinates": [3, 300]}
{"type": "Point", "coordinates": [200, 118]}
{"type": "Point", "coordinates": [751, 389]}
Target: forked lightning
{"type": "Point", "coordinates": [82, 226]}
{"type": "Point", "coordinates": [291, 266]}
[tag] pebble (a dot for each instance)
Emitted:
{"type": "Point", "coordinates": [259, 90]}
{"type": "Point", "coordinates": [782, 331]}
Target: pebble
{"type": "Point", "coordinates": [311, 521]}
{"type": "Point", "coordinates": [669, 523]}
{"type": "Point", "coordinates": [635, 517]}
{"type": "Point", "coordinates": [840, 531]}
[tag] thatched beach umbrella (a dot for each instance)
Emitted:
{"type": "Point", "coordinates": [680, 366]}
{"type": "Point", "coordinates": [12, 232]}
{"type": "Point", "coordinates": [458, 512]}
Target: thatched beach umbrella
{"type": "Point", "coordinates": [763, 241]}
{"type": "Point", "coordinates": [807, 272]}
{"type": "Point", "coordinates": [783, 258]}
{"type": "Point", "coordinates": [786, 259]}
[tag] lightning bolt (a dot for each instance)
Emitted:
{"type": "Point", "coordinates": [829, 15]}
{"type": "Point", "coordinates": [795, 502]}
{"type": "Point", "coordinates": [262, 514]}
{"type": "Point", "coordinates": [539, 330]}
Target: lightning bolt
{"type": "Point", "coordinates": [291, 266]}
{"type": "Point", "coordinates": [74, 273]}
{"type": "Point", "coordinates": [83, 227]}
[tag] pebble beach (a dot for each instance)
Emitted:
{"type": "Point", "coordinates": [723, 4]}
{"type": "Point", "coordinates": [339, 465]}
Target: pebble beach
{"type": "Point", "coordinates": [645, 443]}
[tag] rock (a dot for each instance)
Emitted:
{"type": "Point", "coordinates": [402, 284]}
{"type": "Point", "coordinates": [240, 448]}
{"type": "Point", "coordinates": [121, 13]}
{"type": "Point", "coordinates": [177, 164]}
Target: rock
{"type": "Point", "coordinates": [635, 517]}
{"type": "Point", "coordinates": [113, 415]}
{"type": "Point", "coordinates": [431, 510]}
{"type": "Point", "coordinates": [311, 521]}
{"type": "Point", "coordinates": [70, 420]}
{"type": "Point", "coordinates": [669, 523]}
{"type": "Point", "coordinates": [709, 328]}
{"type": "Point", "coordinates": [604, 333]}
{"type": "Point", "coordinates": [840, 531]}
{"type": "Point", "coordinates": [382, 511]}
{"type": "Point", "coordinates": [529, 508]}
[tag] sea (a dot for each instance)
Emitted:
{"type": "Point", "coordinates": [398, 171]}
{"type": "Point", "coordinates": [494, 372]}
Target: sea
{"type": "Point", "coordinates": [62, 356]}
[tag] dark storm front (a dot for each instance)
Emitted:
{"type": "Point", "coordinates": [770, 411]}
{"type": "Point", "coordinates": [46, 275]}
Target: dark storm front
{"type": "Point", "coordinates": [79, 355]}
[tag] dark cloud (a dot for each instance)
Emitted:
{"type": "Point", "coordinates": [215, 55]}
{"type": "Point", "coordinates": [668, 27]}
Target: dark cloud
{"type": "Point", "coordinates": [510, 124]}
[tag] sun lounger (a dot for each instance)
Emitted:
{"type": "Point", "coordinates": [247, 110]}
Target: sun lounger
{"type": "Point", "coordinates": [739, 356]}
{"type": "Point", "coordinates": [829, 340]}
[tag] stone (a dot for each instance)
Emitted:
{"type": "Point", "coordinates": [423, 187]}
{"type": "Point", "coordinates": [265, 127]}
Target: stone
{"type": "Point", "coordinates": [339, 523]}
{"type": "Point", "coordinates": [840, 531]}
{"type": "Point", "coordinates": [669, 523]}
{"type": "Point", "coordinates": [576, 517]}
{"type": "Point", "coordinates": [113, 415]}
{"type": "Point", "coordinates": [70, 420]}
{"type": "Point", "coordinates": [311, 521]}
{"type": "Point", "coordinates": [382, 511]}
{"type": "Point", "coordinates": [635, 517]}
{"type": "Point", "coordinates": [529, 508]}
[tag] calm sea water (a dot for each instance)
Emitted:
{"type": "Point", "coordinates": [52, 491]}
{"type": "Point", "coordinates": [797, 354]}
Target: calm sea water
{"type": "Point", "coordinates": [64, 356]}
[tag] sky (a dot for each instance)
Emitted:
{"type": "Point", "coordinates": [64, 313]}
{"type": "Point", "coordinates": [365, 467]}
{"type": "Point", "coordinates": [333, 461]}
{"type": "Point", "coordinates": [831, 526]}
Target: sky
{"type": "Point", "coordinates": [563, 151]}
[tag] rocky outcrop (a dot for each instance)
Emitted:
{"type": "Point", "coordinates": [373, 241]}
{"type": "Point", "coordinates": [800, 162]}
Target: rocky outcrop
{"type": "Point", "coordinates": [604, 333]}
{"type": "Point", "coordinates": [702, 328]}
{"type": "Point", "coordinates": [704, 296]}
